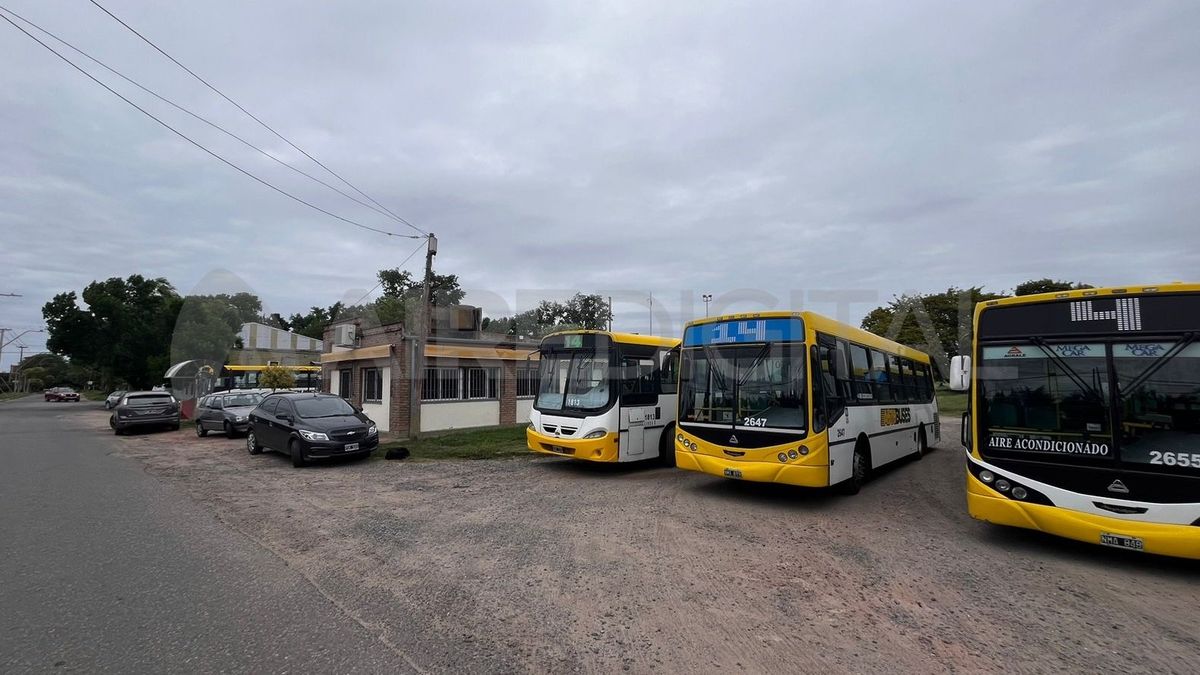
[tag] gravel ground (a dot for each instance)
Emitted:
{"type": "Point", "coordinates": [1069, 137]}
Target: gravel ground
{"type": "Point", "coordinates": [549, 565]}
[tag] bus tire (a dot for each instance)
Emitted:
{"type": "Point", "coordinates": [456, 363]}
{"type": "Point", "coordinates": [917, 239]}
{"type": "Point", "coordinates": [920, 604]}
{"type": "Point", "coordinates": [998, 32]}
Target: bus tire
{"type": "Point", "coordinates": [666, 446]}
{"type": "Point", "coordinates": [860, 468]}
{"type": "Point", "coordinates": [922, 442]}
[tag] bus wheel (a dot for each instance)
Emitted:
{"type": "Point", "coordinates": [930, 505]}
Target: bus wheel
{"type": "Point", "coordinates": [922, 443]}
{"type": "Point", "coordinates": [666, 447]}
{"type": "Point", "coordinates": [860, 469]}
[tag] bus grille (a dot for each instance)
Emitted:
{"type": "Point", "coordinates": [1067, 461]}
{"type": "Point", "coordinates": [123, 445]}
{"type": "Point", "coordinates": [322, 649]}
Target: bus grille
{"type": "Point", "coordinates": [558, 429]}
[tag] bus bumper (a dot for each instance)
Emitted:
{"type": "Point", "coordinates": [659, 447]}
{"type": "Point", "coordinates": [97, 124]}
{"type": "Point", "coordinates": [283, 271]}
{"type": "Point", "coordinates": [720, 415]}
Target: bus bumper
{"type": "Point", "coordinates": [593, 449]}
{"type": "Point", "coordinates": [763, 472]}
{"type": "Point", "coordinates": [983, 503]}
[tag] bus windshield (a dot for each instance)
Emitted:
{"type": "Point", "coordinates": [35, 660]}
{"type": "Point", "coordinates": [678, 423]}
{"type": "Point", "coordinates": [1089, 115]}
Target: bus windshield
{"type": "Point", "coordinates": [575, 380]}
{"type": "Point", "coordinates": [1160, 405]}
{"type": "Point", "coordinates": [751, 385]}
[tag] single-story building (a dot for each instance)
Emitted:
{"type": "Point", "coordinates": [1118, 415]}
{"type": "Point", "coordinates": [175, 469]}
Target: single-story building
{"type": "Point", "coordinates": [471, 379]}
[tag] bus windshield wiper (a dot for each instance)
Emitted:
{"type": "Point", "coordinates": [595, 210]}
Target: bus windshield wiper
{"type": "Point", "coordinates": [1161, 361]}
{"type": "Point", "coordinates": [1040, 343]}
{"type": "Point", "coordinates": [758, 358]}
{"type": "Point", "coordinates": [711, 355]}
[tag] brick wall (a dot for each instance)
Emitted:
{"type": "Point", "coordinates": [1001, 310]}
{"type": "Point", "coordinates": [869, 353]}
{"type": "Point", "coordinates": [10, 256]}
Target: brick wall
{"type": "Point", "coordinates": [508, 392]}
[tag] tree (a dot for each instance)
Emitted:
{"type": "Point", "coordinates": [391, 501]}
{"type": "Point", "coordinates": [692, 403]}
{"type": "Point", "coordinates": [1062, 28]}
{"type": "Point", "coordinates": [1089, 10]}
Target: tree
{"type": "Point", "coordinates": [207, 326]}
{"type": "Point", "coordinates": [1047, 286]}
{"type": "Point", "coordinates": [444, 288]}
{"type": "Point", "coordinates": [590, 312]}
{"type": "Point", "coordinates": [936, 323]}
{"type": "Point", "coordinates": [276, 377]}
{"type": "Point", "coordinates": [123, 328]}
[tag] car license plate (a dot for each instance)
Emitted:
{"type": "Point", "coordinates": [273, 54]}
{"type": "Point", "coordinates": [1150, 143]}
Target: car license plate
{"type": "Point", "coordinates": [350, 447]}
{"type": "Point", "coordinates": [1122, 541]}
{"type": "Point", "coordinates": [733, 473]}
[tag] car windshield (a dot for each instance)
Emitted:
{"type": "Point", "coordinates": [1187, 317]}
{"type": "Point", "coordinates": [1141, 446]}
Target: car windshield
{"type": "Point", "coordinates": [241, 400]}
{"type": "Point", "coordinates": [322, 406]}
{"type": "Point", "coordinates": [149, 399]}
{"type": "Point", "coordinates": [753, 385]}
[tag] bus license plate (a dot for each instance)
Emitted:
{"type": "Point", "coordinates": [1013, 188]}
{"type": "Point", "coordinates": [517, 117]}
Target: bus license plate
{"type": "Point", "coordinates": [1122, 541]}
{"type": "Point", "coordinates": [350, 447]}
{"type": "Point", "coordinates": [733, 473]}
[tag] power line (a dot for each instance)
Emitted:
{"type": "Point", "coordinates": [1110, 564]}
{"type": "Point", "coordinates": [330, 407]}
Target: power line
{"type": "Point", "coordinates": [406, 259]}
{"type": "Point", "coordinates": [253, 117]}
{"type": "Point", "coordinates": [199, 117]}
{"type": "Point", "coordinates": [198, 145]}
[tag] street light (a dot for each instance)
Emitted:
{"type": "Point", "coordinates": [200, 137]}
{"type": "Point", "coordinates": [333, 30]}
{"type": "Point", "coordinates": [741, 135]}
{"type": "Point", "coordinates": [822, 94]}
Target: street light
{"type": "Point", "coordinates": [707, 298]}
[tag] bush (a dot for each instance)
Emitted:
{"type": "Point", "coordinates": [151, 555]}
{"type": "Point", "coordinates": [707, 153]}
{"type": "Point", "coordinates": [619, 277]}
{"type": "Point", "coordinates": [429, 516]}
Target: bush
{"type": "Point", "coordinates": [276, 377]}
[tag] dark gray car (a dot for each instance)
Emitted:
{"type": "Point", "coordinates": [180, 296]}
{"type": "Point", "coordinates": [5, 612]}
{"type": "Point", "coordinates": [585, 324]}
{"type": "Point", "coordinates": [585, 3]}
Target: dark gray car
{"type": "Point", "coordinates": [228, 412]}
{"type": "Point", "coordinates": [145, 409]}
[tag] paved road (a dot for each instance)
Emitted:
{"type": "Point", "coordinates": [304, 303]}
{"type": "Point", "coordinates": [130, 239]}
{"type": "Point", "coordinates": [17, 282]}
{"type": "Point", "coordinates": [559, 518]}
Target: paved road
{"type": "Point", "coordinates": [104, 568]}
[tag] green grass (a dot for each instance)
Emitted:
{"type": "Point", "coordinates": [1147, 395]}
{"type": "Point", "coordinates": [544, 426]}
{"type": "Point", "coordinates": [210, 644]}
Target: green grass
{"type": "Point", "coordinates": [489, 443]}
{"type": "Point", "coordinates": [8, 395]}
{"type": "Point", "coordinates": [951, 403]}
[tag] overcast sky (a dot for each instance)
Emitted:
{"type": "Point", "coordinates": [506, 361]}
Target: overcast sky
{"type": "Point", "coordinates": [772, 152]}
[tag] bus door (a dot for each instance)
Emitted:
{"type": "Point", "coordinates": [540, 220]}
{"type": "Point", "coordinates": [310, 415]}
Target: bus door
{"type": "Point", "coordinates": [834, 381]}
{"type": "Point", "coordinates": [640, 414]}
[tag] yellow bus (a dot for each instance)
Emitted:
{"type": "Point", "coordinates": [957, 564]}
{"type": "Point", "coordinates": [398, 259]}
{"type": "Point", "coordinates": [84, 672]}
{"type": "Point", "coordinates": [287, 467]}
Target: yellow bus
{"type": "Point", "coordinates": [801, 399]}
{"type": "Point", "coordinates": [605, 397]}
{"type": "Point", "coordinates": [1084, 416]}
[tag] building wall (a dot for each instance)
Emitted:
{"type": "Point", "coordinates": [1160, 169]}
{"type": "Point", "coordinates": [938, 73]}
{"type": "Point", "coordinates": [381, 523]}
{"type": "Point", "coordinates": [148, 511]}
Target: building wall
{"type": "Point", "coordinates": [381, 412]}
{"type": "Point", "coordinates": [459, 415]}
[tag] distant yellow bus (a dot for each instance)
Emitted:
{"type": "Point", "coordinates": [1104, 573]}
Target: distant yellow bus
{"type": "Point", "coordinates": [801, 399]}
{"type": "Point", "coordinates": [605, 397]}
{"type": "Point", "coordinates": [1084, 416]}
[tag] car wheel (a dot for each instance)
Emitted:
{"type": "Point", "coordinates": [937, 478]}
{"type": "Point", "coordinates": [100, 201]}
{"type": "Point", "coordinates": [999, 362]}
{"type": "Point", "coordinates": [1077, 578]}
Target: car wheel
{"type": "Point", "coordinates": [860, 469]}
{"type": "Point", "coordinates": [200, 430]}
{"type": "Point", "coordinates": [176, 426]}
{"type": "Point", "coordinates": [297, 453]}
{"type": "Point", "coordinates": [252, 443]}
{"type": "Point", "coordinates": [229, 432]}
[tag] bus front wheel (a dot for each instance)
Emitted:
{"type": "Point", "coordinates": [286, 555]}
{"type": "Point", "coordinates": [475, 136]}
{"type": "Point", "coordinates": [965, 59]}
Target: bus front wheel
{"type": "Point", "coordinates": [860, 468]}
{"type": "Point", "coordinates": [666, 447]}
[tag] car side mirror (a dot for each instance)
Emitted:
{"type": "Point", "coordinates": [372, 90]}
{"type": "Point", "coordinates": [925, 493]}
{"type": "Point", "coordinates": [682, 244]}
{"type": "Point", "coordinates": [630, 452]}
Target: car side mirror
{"type": "Point", "coordinates": [285, 417]}
{"type": "Point", "coordinates": [960, 373]}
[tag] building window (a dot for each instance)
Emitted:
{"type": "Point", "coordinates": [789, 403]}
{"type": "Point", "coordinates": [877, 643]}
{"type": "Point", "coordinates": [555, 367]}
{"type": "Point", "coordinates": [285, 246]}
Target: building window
{"type": "Point", "coordinates": [372, 385]}
{"type": "Point", "coordinates": [527, 381]}
{"type": "Point", "coordinates": [461, 384]}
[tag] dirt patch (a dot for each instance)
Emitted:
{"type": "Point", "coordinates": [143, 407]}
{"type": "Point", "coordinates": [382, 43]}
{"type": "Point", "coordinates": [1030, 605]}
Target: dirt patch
{"type": "Point", "coordinates": [548, 565]}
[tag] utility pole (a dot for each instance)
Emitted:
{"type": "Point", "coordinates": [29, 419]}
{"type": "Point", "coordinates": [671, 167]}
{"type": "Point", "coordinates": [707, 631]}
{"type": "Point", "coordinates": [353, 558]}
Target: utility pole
{"type": "Point", "coordinates": [420, 335]}
{"type": "Point", "coordinates": [650, 304]}
{"type": "Point", "coordinates": [610, 314]}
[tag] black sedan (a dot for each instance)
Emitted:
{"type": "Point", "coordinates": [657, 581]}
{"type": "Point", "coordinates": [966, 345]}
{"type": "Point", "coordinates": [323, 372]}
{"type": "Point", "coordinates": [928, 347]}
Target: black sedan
{"type": "Point", "coordinates": [145, 409]}
{"type": "Point", "coordinates": [228, 412]}
{"type": "Point", "coordinates": [310, 426]}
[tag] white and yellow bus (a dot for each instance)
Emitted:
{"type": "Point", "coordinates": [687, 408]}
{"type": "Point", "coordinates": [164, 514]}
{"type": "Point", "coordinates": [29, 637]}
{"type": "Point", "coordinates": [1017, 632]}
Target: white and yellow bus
{"type": "Point", "coordinates": [605, 397]}
{"type": "Point", "coordinates": [797, 398]}
{"type": "Point", "coordinates": [1084, 415]}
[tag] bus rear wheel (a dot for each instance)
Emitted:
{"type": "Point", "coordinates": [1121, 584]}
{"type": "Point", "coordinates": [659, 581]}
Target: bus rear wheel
{"type": "Point", "coordinates": [922, 443]}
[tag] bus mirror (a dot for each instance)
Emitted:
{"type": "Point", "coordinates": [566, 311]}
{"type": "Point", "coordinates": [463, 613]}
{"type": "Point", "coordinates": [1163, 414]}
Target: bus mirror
{"type": "Point", "coordinates": [960, 373]}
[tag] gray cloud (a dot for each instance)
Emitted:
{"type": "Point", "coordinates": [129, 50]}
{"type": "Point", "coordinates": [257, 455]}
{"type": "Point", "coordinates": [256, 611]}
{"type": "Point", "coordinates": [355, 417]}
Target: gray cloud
{"type": "Point", "coordinates": [673, 148]}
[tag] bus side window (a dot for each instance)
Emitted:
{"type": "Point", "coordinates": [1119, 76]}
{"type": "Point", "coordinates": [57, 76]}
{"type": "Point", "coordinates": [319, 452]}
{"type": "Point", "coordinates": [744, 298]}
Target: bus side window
{"type": "Point", "coordinates": [880, 384]}
{"type": "Point", "coordinates": [860, 373]}
{"type": "Point", "coordinates": [669, 375]}
{"type": "Point", "coordinates": [639, 380]}
{"type": "Point", "coordinates": [841, 371]}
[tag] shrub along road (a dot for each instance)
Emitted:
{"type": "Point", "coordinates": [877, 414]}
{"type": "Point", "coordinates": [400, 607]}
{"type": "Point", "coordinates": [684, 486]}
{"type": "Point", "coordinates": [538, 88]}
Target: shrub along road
{"type": "Point", "coordinates": [548, 565]}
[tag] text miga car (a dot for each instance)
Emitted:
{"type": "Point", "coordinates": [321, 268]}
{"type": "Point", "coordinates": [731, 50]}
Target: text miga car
{"type": "Point", "coordinates": [310, 426]}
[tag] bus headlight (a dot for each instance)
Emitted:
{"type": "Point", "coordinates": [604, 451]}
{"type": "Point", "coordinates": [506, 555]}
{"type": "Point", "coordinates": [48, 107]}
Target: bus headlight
{"type": "Point", "coordinates": [782, 456]}
{"type": "Point", "coordinates": [1002, 485]}
{"type": "Point", "coordinates": [793, 454]}
{"type": "Point", "coordinates": [598, 433]}
{"type": "Point", "coordinates": [804, 450]}
{"type": "Point", "coordinates": [691, 445]}
{"type": "Point", "coordinates": [679, 437]}
{"type": "Point", "coordinates": [1019, 492]}
{"type": "Point", "coordinates": [987, 476]}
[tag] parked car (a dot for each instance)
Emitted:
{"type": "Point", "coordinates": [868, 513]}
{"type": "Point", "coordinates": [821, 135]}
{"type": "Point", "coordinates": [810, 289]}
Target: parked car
{"type": "Point", "coordinates": [227, 411]}
{"type": "Point", "coordinates": [113, 399]}
{"type": "Point", "coordinates": [310, 426]}
{"type": "Point", "coordinates": [62, 394]}
{"type": "Point", "coordinates": [145, 409]}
